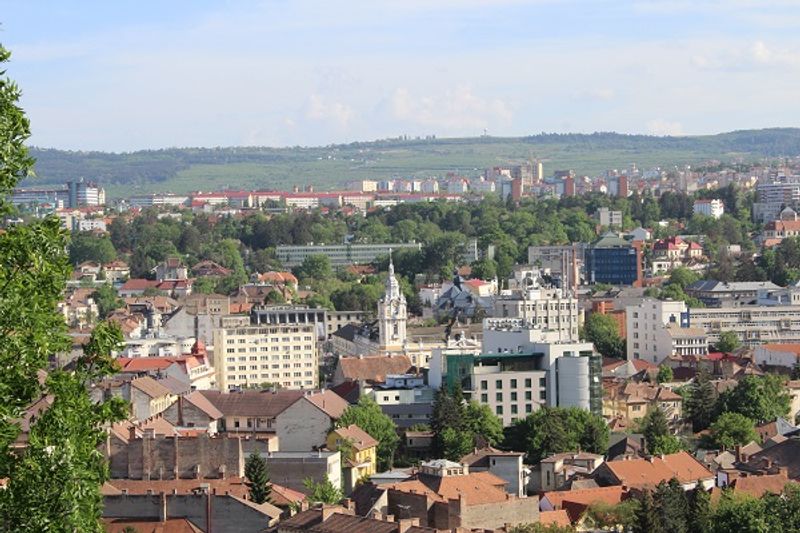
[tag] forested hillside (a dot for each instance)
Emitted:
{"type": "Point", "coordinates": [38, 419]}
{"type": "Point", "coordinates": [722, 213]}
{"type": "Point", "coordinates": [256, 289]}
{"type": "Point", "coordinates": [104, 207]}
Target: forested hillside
{"type": "Point", "coordinates": [185, 169]}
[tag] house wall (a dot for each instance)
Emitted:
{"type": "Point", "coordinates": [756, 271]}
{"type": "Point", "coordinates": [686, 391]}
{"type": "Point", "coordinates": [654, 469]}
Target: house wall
{"type": "Point", "coordinates": [292, 471]}
{"type": "Point", "coordinates": [184, 414]}
{"type": "Point", "coordinates": [513, 511]}
{"type": "Point", "coordinates": [228, 515]}
{"type": "Point", "coordinates": [302, 427]}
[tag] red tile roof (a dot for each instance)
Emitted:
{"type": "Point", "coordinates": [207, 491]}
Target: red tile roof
{"type": "Point", "coordinates": [359, 439]}
{"type": "Point", "coordinates": [477, 488]}
{"type": "Point", "coordinates": [329, 403]}
{"type": "Point", "coordinates": [647, 473]}
{"type": "Point", "coordinates": [374, 368]}
{"type": "Point", "coordinates": [554, 518]}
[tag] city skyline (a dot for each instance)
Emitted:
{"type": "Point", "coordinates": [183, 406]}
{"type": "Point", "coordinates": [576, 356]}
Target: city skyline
{"type": "Point", "coordinates": [124, 77]}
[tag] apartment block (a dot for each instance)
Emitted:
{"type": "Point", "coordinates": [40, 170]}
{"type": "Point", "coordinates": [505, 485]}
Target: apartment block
{"type": "Point", "coordinates": [279, 353]}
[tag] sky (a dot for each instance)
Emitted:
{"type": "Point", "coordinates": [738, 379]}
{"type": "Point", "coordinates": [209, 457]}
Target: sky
{"type": "Point", "coordinates": [125, 75]}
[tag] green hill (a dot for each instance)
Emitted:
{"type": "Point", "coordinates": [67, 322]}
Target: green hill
{"type": "Point", "coordinates": [188, 169]}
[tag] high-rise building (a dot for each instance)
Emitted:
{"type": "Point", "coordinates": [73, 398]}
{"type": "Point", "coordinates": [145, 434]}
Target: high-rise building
{"type": "Point", "coordinates": [615, 261]}
{"type": "Point", "coordinates": [278, 346]}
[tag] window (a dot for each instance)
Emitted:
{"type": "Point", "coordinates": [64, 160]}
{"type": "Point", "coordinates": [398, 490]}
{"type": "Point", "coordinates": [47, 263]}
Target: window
{"type": "Point", "coordinates": [484, 385]}
{"type": "Point", "coordinates": [498, 384]}
{"type": "Point", "coordinates": [484, 398]}
{"type": "Point", "coordinates": [498, 397]}
{"type": "Point", "coordinates": [498, 410]}
{"type": "Point", "coordinates": [542, 395]}
{"type": "Point", "coordinates": [542, 383]}
{"type": "Point", "coordinates": [527, 382]}
{"type": "Point", "coordinates": [513, 383]}
{"type": "Point", "coordinates": [528, 395]}
{"type": "Point", "coordinates": [528, 408]}
{"type": "Point", "coordinates": [513, 409]}
{"type": "Point", "coordinates": [513, 396]}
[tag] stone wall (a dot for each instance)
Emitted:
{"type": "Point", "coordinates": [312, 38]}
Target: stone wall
{"type": "Point", "coordinates": [228, 514]}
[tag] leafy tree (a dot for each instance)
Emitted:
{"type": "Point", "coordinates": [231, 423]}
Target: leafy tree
{"type": "Point", "coordinates": [602, 331]}
{"type": "Point", "coordinates": [367, 415]}
{"type": "Point", "coordinates": [654, 427]}
{"type": "Point", "coordinates": [323, 491]}
{"type": "Point", "coordinates": [556, 430]}
{"type": "Point", "coordinates": [759, 398]}
{"type": "Point", "coordinates": [107, 300]}
{"type": "Point", "coordinates": [607, 516]}
{"type": "Point", "coordinates": [701, 402]}
{"type": "Point", "coordinates": [258, 485]}
{"type": "Point", "coordinates": [455, 444]}
{"type": "Point", "coordinates": [673, 507]}
{"type": "Point", "coordinates": [479, 420]}
{"type": "Point", "coordinates": [740, 514]}
{"type": "Point", "coordinates": [728, 341]}
{"type": "Point", "coordinates": [448, 412]}
{"type": "Point", "coordinates": [484, 269]}
{"type": "Point", "coordinates": [647, 516]}
{"type": "Point", "coordinates": [664, 374]}
{"type": "Point", "coordinates": [699, 511]}
{"type": "Point", "coordinates": [205, 285]}
{"type": "Point", "coordinates": [86, 246]}
{"type": "Point", "coordinates": [665, 444]}
{"type": "Point", "coordinates": [274, 297]}
{"type": "Point", "coordinates": [682, 277]}
{"type": "Point", "coordinates": [732, 429]}
{"type": "Point", "coordinates": [315, 267]}
{"type": "Point", "coordinates": [54, 484]}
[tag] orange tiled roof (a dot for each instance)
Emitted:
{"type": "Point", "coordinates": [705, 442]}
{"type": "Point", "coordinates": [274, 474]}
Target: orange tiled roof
{"type": "Point", "coordinates": [329, 402]}
{"type": "Point", "coordinates": [477, 488]}
{"type": "Point", "coordinates": [757, 486]}
{"type": "Point", "coordinates": [554, 518]}
{"type": "Point", "coordinates": [647, 473]}
{"type": "Point", "coordinates": [611, 495]}
{"type": "Point", "coordinates": [360, 439]}
{"type": "Point", "coordinates": [373, 368]}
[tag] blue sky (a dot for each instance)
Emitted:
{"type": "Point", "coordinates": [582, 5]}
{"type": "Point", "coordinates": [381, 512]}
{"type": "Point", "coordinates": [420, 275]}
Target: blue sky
{"type": "Point", "coordinates": [125, 75]}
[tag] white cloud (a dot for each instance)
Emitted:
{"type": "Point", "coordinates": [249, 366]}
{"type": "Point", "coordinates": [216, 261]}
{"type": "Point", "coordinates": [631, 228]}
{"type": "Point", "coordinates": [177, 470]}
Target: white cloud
{"type": "Point", "coordinates": [601, 94]}
{"type": "Point", "coordinates": [755, 55]}
{"type": "Point", "coordinates": [664, 128]}
{"type": "Point", "coordinates": [319, 108]}
{"type": "Point", "coordinates": [458, 109]}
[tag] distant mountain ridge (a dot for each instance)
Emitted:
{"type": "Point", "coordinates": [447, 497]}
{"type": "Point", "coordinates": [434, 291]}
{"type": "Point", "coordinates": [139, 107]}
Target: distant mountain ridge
{"type": "Point", "coordinates": [184, 169]}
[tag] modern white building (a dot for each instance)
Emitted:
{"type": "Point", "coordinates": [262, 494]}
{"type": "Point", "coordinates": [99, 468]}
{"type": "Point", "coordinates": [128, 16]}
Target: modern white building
{"type": "Point", "coordinates": [645, 324]}
{"type": "Point", "coordinates": [710, 208]}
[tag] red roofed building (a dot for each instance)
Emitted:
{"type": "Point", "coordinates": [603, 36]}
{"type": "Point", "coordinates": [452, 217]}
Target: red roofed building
{"type": "Point", "coordinates": [648, 473]}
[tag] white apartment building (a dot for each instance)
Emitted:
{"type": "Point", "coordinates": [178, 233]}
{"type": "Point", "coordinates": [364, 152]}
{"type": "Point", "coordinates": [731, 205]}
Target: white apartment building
{"type": "Point", "coordinates": [276, 353]}
{"type": "Point", "coordinates": [545, 309]}
{"type": "Point", "coordinates": [645, 324]}
{"type": "Point", "coordinates": [607, 217]}
{"type": "Point", "coordinates": [754, 324]}
{"type": "Point", "coordinates": [710, 208]}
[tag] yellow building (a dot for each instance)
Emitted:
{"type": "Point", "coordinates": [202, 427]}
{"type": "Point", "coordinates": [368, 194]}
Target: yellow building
{"type": "Point", "coordinates": [359, 454]}
{"type": "Point", "coordinates": [630, 402]}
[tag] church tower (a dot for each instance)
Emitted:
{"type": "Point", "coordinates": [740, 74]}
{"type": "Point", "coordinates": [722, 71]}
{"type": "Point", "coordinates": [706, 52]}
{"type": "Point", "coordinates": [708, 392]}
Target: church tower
{"type": "Point", "coordinates": [392, 314]}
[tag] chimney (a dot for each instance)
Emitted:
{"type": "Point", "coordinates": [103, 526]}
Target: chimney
{"type": "Point", "coordinates": [404, 524]}
{"type": "Point", "coordinates": [149, 433]}
{"type": "Point", "coordinates": [132, 433]}
{"type": "Point", "coordinates": [738, 453]}
{"type": "Point", "coordinates": [349, 505]}
{"type": "Point", "coordinates": [162, 510]}
{"type": "Point", "coordinates": [222, 471]}
{"type": "Point", "coordinates": [328, 511]}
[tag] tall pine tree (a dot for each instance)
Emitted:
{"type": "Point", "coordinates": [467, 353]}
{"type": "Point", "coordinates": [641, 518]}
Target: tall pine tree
{"type": "Point", "coordinates": [647, 517]}
{"type": "Point", "coordinates": [701, 401]}
{"type": "Point", "coordinates": [673, 508]}
{"type": "Point", "coordinates": [654, 426]}
{"type": "Point", "coordinates": [699, 511]}
{"type": "Point", "coordinates": [258, 485]}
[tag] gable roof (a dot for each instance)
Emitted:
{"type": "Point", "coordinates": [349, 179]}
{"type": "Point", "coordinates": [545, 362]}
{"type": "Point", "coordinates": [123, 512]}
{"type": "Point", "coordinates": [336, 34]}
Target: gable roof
{"type": "Point", "coordinates": [477, 487]}
{"type": "Point", "coordinates": [554, 518]}
{"type": "Point", "coordinates": [374, 368]}
{"type": "Point", "coordinates": [329, 403]}
{"type": "Point", "coordinates": [480, 456]}
{"type": "Point", "coordinates": [150, 387]}
{"type": "Point", "coordinates": [611, 495]}
{"type": "Point", "coordinates": [359, 439]}
{"type": "Point", "coordinates": [252, 403]}
{"type": "Point", "coordinates": [757, 486]}
{"type": "Point", "coordinates": [202, 403]}
{"type": "Point", "coordinates": [312, 521]}
{"type": "Point", "coordinates": [647, 473]}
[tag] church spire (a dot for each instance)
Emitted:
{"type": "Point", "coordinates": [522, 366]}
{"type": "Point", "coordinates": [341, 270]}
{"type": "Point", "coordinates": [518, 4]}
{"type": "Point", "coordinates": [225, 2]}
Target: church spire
{"type": "Point", "coordinates": [392, 285]}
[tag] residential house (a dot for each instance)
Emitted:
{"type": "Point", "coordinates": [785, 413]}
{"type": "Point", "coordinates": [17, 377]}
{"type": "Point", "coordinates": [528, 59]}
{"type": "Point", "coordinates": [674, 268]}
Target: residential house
{"type": "Point", "coordinates": [575, 502]}
{"type": "Point", "coordinates": [648, 473]}
{"type": "Point", "coordinates": [445, 495]}
{"type": "Point", "coordinates": [371, 369]}
{"type": "Point", "coordinates": [210, 269]}
{"type": "Point", "coordinates": [507, 466]}
{"type": "Point", "coordinates": [193, 410]}
{"type": "Point", "coordinates": [554, 471]}
{"type": "Point", "coordinates": [171, 269]}
{"type": "Point", "coordinates": [336, 519]}
{"type": "Point", "coordinates": [148, 397]}
{"type": "Point", "coordinates": [632, 401]}
{"type": "Point", "coordinates": [359, 454]}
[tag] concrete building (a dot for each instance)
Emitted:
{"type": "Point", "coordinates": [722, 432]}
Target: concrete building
{"type": "Point", "coordinates": [645, 325]}
{"type": "Point", "coordinates": [278, 346]}
{"type": "Point", "coordinates": [774, 196]}
{"type": "Point", "coordinates": [508, 466]}
{"type": "Point", "coordinates": [541, 308]}
{"type": "Point", "coordinates": [606, 217]}
{"type": "Point", "coordinates": [446, 495]}
{"type": "Point", "coordinates": [710, 208]}
{"type": "Point", "coordinates": [729, 294]}
{"type": "Point", "coordinates": [615, 261]}
{"type": "Point", "coordinates": [339, 254]}
{"type": "Point", "coordinates": [515, 375]}
{"type": "Point", "coordinates": [405, 399]}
